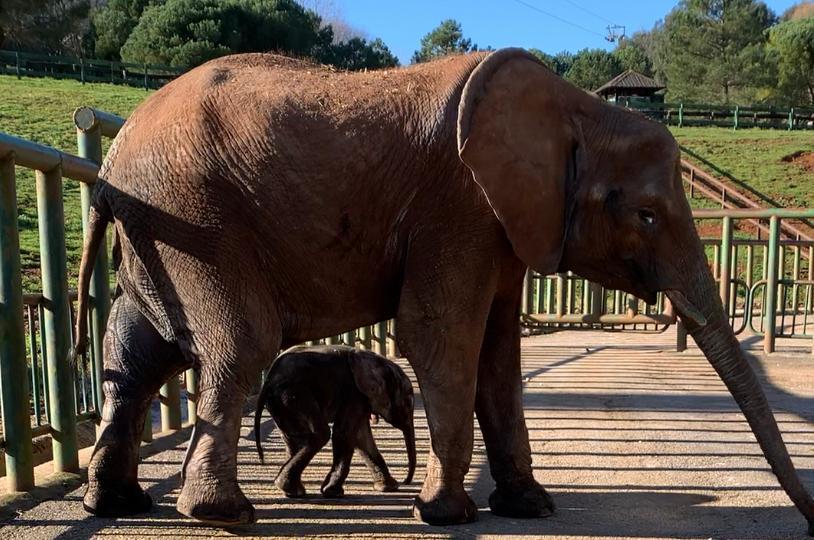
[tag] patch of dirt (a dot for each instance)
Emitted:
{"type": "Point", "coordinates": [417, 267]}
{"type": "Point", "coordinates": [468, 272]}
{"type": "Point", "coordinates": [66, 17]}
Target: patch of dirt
{"type": "Point", "coordinates": [801, 158]}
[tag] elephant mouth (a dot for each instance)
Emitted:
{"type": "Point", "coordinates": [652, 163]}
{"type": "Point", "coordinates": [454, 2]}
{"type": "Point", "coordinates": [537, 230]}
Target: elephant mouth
{"type": "Point", "coordinates": [685, 308]}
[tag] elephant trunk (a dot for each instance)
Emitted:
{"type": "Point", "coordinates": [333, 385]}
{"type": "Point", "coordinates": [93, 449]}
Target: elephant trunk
{"type": "Point", "coordinates": [409, 442]}
{"type": "Point", "coordinates": [702, 312]}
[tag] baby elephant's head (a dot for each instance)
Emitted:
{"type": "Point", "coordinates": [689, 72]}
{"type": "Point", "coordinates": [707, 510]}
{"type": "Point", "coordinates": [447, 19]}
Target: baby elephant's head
{"type": "Point", "coordinates": [390, 393]}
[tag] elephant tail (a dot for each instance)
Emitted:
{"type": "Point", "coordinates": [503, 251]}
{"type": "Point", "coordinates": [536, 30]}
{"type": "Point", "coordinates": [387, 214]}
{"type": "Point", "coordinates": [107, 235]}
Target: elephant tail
{"type": "Point", "coordinates": [258, 416]}
{"type": "Point", "coordinates": [99, 216]}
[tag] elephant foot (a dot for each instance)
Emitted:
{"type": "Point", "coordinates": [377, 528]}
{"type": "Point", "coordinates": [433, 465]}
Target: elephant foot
{"type": "Point", "coordinates": [332, 491]}
{"type": "Point", "coordinates": [116, 502]}
{"type": "Point", "coordinates": [387, 485]}
{"type": "Point", "coordinates": [220, 505]}
{"type": "Point", "coordinates": [527, 500]}
{"type": "Point", "coordinates": [445, 506]}
{"type": "Point", "coordinates": [293, 489]}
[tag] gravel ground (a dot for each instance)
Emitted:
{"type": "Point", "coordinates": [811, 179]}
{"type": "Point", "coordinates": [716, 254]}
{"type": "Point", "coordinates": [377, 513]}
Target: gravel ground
{"type": "Point", "coordinates": [633, 441]}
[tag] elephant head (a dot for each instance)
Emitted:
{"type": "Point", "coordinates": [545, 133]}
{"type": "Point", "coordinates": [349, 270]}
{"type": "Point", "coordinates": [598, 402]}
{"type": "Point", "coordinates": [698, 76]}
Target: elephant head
{"type": "Point", "coordinates": [581, 185]}
{"type": "Point", "coordinates": [390, 393]}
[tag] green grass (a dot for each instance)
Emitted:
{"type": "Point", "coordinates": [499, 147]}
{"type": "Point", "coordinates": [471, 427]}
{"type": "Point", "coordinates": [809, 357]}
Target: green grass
{"type": "Point", "coordinates": [41, 110]}
{"type": "Point", "coordinates": [755, 156]}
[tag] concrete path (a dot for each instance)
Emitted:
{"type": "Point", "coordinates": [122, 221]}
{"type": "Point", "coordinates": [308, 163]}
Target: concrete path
{"type": "Point", "coordinates": [633, 441]}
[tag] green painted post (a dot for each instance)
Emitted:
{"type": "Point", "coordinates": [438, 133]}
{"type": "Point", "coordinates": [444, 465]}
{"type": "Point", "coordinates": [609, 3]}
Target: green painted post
{"type": "Point", "coordinates": [191, 377]}
{"type": "Point", "coordinates": [146, 87]}
{"type": "Point", "coordinates": [171, 405]}
{"type": "Point", "coordinates": [680, 115]}
{"type": "Point", "coordinates": [17, 62]}
{"type": "Point", "coordinates": [82, 70]}
{"type": "Point", "coordinates": [735, 124]}
{"type": "Point", "coordinates": [349, 338]}
{"type": "Point", "coordinates": [725, 260]}
{"type": "Point", "coordinates": [560, 295]}
{"type": "Point", "coordinates": [13, 369]}
{"type": "Point", "coordinates": [791, 119]}
{"type": "Point", "coordinates": [147, 433]}
{"type": "Point", "coordinates": [57, 320]}
{"type": "Point", "coordinates": [90, 147]}
{"type": "Point", "coordinates": [750, 262]}
{"type": "Point", "coordinates": [381, 337]}
{"type": "Point", "coordinates": [770, 306]}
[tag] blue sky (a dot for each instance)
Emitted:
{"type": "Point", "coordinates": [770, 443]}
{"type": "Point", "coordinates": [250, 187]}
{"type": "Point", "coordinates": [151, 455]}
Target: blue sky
{"type": "Point", "coordinates": [502, 23]}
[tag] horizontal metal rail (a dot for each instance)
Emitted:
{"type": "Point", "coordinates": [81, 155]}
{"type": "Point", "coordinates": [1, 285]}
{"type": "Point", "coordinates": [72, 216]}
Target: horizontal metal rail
{"type": "Point", "coordinates": [46, 159]}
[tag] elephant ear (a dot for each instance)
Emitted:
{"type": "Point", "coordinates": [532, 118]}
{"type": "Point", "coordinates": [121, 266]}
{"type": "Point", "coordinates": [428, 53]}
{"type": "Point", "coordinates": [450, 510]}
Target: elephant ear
{"type": "Point", "coordinates": [513, 135]}
{"type": "Point", "coordinates": [370, 374]}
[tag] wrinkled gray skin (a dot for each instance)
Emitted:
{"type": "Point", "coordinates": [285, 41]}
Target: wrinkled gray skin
{"type": "Point", "coordinates": [262, 201]}
{"type": "Point", "coordinates": [307, 388]}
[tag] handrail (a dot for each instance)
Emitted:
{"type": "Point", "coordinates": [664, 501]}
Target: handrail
{"type": "Point", "coordinates": [761, 213]}
{"type": "Point", "coordinates": [44, 158]}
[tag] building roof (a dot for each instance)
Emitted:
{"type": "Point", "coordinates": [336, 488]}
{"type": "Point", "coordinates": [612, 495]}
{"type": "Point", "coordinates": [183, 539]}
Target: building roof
{"type": "Point", "coordinates": [629, 80]}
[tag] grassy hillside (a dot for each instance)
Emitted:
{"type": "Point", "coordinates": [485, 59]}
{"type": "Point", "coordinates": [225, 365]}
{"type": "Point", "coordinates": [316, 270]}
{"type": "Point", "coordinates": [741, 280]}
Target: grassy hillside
{"type": "Point", "coordinates": [760, 158]}
{"type": "Point", "coordinates": [41, 110]}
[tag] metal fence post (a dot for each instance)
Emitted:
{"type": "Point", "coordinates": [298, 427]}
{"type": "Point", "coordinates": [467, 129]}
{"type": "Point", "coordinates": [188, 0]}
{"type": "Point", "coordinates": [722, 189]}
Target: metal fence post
{"type": "Point", "coordinates": [13, 370]}
{"type": "Point", "coordinates": [191, 379]}
{"type": "Point", "coordinates": [726, 260]}
{"type": "Point", "coordinates": [170, 405]}
{"type": "Point", "coordinates": [791, 119]}
{"type": "Point", "coordinates": [770, 306]}
{"type": "Point", "coordinates": [89, 142]}
{"type": "Point", "coordinates": [17, 63]}
{"type": "Point", "coordinates": [680, 115]}
{"type": "Point", "coordinates": [735, 124]}
{"type": "Point", "coordinates": [57, 319]}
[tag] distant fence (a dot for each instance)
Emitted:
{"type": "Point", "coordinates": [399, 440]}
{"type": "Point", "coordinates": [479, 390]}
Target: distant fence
{"type": "Point", "coordinates": [732, 116]}
{"type": "Point", "coordinates": [86, 70]}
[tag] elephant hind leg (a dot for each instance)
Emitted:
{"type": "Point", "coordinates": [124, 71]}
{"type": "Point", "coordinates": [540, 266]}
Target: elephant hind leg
{"type": "Point", "coordinates": [306, 432]}
{"type": "Point", "coordinates": [137, 361]}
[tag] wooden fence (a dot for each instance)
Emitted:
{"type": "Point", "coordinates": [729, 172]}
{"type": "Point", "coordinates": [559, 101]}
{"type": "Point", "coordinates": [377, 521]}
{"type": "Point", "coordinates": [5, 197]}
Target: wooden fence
{"type": "Point", "coordinates": [732, 116]}
{"type": "Point", "coordinates": [86, 70]}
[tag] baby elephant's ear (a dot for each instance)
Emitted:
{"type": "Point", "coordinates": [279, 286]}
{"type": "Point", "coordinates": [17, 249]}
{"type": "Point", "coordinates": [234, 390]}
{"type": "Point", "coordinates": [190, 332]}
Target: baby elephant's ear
{"type": "Point", "coordinates": [370, 375]}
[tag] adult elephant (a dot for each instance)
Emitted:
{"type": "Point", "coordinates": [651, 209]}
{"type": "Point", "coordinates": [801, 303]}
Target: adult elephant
{"type": "Point", "coordinates": [261, 201]}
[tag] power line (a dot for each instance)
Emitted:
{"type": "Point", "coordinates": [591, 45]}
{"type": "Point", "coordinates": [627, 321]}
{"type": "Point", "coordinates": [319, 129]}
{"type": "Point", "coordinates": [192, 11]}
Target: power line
{"type": "Point", "coordinates": [546, 13]}
{"type": "Point", "coordinates": [589, 12]}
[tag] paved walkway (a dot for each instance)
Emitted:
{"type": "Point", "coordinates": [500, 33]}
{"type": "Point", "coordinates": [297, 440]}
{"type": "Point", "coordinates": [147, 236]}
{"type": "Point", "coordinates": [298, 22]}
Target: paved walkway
{"type": "Point", "coordinates": [633, 440]}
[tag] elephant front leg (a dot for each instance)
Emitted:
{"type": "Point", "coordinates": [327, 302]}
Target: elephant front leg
{"type": "Point", "coordinates": [445, 363]}
{"type": "Point", "coordinates": [382, 479]}
{"type": "Point", "coordinates": [499, 407]}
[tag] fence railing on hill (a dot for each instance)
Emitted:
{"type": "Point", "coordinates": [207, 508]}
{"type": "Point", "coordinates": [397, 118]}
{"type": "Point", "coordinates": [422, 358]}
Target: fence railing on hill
{"type": "Point", "coordinates": [731, 116]}
{"type": "Point", "coordinates": [86, 70]}
{"type": "Point", "coordinates": [764, 285]}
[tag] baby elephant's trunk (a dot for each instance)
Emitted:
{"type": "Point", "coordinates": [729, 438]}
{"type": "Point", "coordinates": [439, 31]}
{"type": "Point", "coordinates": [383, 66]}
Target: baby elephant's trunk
{"type": "Point", "coordinates": [409, 442]}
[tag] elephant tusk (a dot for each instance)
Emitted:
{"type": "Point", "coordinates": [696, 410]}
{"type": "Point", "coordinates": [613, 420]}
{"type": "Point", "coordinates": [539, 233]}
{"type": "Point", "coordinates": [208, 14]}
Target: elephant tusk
{"type": "Point", "coordinates": [686, 308]}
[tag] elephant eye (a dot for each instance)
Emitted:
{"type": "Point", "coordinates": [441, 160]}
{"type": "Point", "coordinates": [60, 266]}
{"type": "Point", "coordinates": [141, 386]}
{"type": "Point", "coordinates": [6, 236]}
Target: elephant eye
{"type": "Point", "coordinates": [647, 216]}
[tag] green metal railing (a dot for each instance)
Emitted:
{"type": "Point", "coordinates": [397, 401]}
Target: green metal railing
{"type": "Point", "coordinates": [743, 267]}
{"type": "Point", "coordinates": [766, 285]}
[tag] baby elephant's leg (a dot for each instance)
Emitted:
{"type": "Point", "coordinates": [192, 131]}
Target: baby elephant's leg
{"type": "Point", "coordinates": [306, 432]}
{"type": "Point", "coordinates": [382, 480]}
{"type": "Point", "coordinates": [343, 441]}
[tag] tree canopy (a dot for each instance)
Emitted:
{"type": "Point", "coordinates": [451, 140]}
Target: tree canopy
{"type": "Point", "coordinates": [190, 32]}
{"type": "Point", "coordinates": [714, 49]}
{"type": "Point", "coordinates": [792, 44]}
{"type": "Point", "coordinates": [446, 38]}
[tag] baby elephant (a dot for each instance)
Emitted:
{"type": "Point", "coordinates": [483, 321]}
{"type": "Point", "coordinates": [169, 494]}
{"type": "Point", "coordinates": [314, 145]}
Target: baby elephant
{"type": "Point", "coordinates": [309, 387]}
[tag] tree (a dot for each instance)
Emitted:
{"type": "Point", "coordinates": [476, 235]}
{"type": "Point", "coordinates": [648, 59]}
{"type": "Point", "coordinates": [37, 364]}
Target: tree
{"type": "Point", "coordinates": [632, 55]}
{"type": "Point", "coordinates": [189, 32]}
{"type": "Point", "coordinates": [559, 63]}
{"type": "Point", "coordinates": [799, 11]}
{"type": "Point", "coordinates": [714, 49]}
{"type": "Point", "coordinates": [446, 39]}
{"type": "Point", "coordinates": [357, 54]}
{"type": "Point", "coordinates": [792, 44]}
{"type": "Point", "coordinates": [113, 24]}
{"type": "Point", "coordinates": [591, 68]}
{"type": "Point", "coordinates": [52, 26]}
